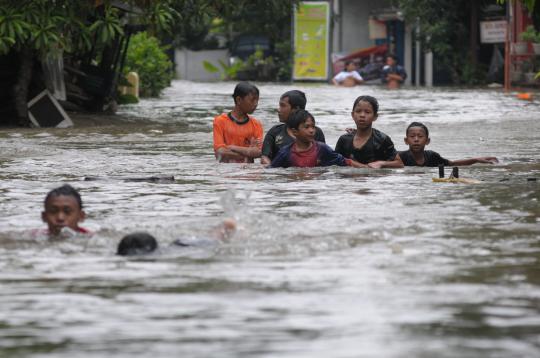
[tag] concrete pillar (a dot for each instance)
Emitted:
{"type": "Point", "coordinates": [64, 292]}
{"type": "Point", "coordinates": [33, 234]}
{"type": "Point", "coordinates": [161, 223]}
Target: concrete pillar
{"type": "Point", "coordinates": [417, 58]}
{"type": "Point", "coordinates": [407, 57]}
{"type": "Point", "coordinates": [133, 79]}
{"type": "Point", "coordinates": [336, 27]}
{"type": "Point", "coordinates": [428, 69]}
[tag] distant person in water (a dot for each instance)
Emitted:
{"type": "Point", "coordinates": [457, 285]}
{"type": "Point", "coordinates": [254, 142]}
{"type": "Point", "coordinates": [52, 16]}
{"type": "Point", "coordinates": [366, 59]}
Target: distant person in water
{"type": "Point", "coordinates": [417, 137]}
{"type": "Point", "coordinates": [63, 209]}
{"type": "Point", "coordinates": [280, 135]}
{"type": "Point", "coordinates": [393, 75]}
{"type": "Point", "coordinates": [349, 77]}
{"type": "Point", "coordinates": [305, 151]}
{"type": "Point", "coordinates": [237, 135]}
{"type": "Point", "coordinates": [141, 243]}
{"type": "Point", "coordinates": [367, 145]}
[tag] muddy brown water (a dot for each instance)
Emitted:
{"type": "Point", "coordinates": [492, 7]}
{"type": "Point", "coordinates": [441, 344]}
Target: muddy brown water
{"type": "Point", "coordinates": [327, 262]}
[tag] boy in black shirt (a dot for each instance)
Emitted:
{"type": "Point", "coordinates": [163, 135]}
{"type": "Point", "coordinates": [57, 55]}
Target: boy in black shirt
{"type": "Point", "coordinates": [417, 137]}
{"type": "Point", "coordinates": [367, 145]}
{"type": "Point", "coordinates": [279, 135]}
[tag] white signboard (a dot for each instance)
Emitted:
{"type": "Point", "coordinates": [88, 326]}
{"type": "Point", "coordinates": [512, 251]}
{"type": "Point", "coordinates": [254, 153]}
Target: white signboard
{"type": "Point", "coordinates": [377, 29]}
{"type": "Point", "coordinates": [493, 31]}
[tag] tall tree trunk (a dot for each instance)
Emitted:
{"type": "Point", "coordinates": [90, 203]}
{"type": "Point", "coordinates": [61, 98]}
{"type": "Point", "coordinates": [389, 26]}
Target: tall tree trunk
{"type": "Point", "coordinates": [24, 77]}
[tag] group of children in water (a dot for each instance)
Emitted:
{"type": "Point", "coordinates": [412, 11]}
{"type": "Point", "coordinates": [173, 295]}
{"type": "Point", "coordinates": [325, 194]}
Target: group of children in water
{"type": "Point", "coordinates": [298, 142]}
{"type": "Point", "coordinates": [295, 142]}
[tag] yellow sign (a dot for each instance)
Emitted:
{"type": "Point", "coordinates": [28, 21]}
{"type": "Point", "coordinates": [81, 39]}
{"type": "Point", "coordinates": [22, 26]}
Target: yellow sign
{"type": "Point", "coordinates": [311, 40]}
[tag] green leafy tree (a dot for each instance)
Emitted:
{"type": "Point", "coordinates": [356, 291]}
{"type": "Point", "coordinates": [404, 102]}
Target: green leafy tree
{"type": "Point", "coordinates": [146, 57]}
{"type": "Point", "coordinates": [529, 4]}
{"type": "Point", "coordinates": [34, 28]}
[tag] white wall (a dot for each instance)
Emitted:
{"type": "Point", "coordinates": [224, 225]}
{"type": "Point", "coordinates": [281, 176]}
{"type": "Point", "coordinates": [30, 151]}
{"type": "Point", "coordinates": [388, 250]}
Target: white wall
{"type": "Point", "coordinates": [353, 23]}
{"type": "Point", "coordinates": [189, 64]}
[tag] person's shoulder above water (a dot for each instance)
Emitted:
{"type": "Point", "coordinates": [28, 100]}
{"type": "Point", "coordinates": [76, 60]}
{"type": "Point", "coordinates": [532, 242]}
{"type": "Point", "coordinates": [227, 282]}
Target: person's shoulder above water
{"type": "Point", "coordinates": [379, 135]}
{"type": "Point", "coordinates": [282, 158]}
{"type": "Point", "coordinates": [407, 158]}
{"type": "Point", "coordinates": [277, 129]}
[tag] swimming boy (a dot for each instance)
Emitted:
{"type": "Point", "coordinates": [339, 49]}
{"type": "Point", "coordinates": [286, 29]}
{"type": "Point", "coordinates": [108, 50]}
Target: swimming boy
{"type": "Point", "coordinates": [349, 77]}
{"type": "Point", "coordinates": [367, 145]}
{"type": "Point", "coordinates": [305, 151]}
{"type": "Point", "coordinates": [417, 137]}
{"type": "Point", "coordinates": [63, 209]}
{"type": "Point", "coordinates": [237, 135]}
{"type": "Point", "coordinates": [280, 135]}
{"type": "Point", "coordinates": [140, 243]}
{"type": "Point", "coordinates": [393, 75]}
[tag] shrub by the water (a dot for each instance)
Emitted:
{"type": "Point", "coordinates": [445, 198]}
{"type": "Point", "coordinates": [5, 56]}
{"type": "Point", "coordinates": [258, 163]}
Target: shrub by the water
{"type": "Point", "coordinates": [148, 58]}
{"type": "Point", "coordinates": [127, 99]}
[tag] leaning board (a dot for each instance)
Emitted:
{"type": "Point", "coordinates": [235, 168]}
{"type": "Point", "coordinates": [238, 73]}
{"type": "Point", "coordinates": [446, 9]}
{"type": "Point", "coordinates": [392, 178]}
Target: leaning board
{"type": "Point", "coordinates": [45, 111]}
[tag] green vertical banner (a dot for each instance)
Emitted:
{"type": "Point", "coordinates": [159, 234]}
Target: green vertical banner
{"type": "Point", "coordinates": [311, 40]}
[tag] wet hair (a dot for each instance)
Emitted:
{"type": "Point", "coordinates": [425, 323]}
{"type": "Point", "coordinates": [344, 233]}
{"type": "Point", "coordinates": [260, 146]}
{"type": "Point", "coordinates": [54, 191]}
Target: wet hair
{"type": "Point", "coordinates": [371, 100]}
{"type": "Point", "coordinates": [65, 190]}
{"type": "Point", "coordinates": [298, 117]}
{"type": "Point", "coordinates": [243, 89]}
{"type": "Point", "coordinates": [137, 243]}
{"type": "Point", "coordinates": [297, 99]}
{"type": "Point", "coordinates": [394, 57]}
{"type": "Point", "coordinates": [417, 124]}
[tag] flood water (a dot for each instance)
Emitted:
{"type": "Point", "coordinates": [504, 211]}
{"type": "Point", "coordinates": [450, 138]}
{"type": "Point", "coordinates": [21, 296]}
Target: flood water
{"type": "Point", "coordinates": [326, 262]}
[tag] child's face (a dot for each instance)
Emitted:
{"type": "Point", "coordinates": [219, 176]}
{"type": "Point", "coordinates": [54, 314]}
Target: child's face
{"type": "Point", "coordinates": [390, 61]}
{"type": "Point", "coordinates": [416, 139]}
{"type": "Point", "coordinates": [62, 211]}
{"type": "Point", "coordinates": [351, 67]}
{"type": "Point", "coordinates": [306, 131]}
{"type": "Point", "coordinates": [284, 109]}
{"type": "Point", "coordinates": [363, 115]}
{"type": "Point", "coordinates": [248, 104]}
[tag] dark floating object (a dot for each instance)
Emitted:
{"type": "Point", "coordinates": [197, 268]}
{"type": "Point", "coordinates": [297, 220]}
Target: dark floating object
{"type": "Point", "coordinates": [441, 171]}
{"type": "Point", "coordinates": [453, 178]}
{"type": "Point", "coordinates": [531, 179]}
{"type": "Point", "coordinates": [152, 179]}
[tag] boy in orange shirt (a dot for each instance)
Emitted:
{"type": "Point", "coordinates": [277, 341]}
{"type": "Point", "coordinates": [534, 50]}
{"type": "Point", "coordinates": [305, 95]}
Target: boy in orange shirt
{"type": "Point", "coordinates": [237, 135]}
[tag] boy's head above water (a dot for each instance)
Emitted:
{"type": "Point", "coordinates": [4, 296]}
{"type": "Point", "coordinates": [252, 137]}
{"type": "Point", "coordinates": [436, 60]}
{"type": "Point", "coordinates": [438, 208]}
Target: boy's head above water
{"type": "Point", "coordinates": [63, 208]}
{"type": "Point", "coordinates": [289, 102]}
{"type": "Point", "coordinates": [137, 243]}
{"type": "Point", "coordinates": [417, 136]}
{"type": "Point", "coordinates": [365, 112]}
{"type": "Point", "coordinates": [350, 66]}
{"type": "Point", "coordinates": [246, 97]}
{"type": "Point", "coordinates": [302, 125]}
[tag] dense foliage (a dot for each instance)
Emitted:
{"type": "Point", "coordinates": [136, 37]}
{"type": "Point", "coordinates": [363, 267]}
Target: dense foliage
{"type": "Point", "coordinates": [146, 57]}
{"type": "Point", "coordinates": [31, 29]}
{"type": "Point", "coordinates": [202, 20]}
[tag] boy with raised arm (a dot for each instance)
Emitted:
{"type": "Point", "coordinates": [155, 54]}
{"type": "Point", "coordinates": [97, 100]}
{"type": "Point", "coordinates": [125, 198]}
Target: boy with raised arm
{"type": "Point", "coordinates": [417, 137]}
